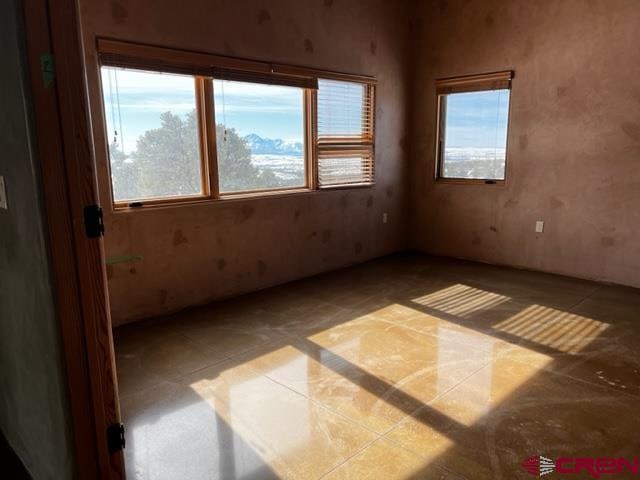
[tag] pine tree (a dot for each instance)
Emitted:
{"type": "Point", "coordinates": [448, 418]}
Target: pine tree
{"type": "Point", "coordinates": [166, 162]}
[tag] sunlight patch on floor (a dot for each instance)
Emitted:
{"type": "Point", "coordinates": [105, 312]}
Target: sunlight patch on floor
{"type": "Point", "coordinates": [467, 365]}
{"type": "Point", "coordinates": [461, 300]}
{"type": "Point", "coordinates": [555, 329]}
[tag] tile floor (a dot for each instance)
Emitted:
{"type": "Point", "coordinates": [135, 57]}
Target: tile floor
{"type": "Point", "coordinates": [408, 366]}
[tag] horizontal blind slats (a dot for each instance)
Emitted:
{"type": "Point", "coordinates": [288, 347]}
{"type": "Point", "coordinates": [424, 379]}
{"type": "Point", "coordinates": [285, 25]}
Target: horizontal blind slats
{"type": "Point", "coordinates": [345, 167]}
{"type": "Point", "coordinates": [345, 133]}
{"type": "Point", "coordinates": [341, 108]}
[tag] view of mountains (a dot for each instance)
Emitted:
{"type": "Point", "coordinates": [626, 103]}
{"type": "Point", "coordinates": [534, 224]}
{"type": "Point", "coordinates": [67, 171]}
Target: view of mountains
{"type": "Point", "coordinates": [272, 146]}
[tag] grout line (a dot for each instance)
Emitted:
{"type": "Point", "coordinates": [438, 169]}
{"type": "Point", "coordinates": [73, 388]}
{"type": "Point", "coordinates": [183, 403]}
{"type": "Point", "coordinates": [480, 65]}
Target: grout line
{"type": "Point", "coordinates": [175, 379]}
{"type": "Point", "coordinates": [434, 399]}
{"type": "Point", "coordinates": [588, 295]}
{"type": "Point", "coordinates": [434, 462]}
{"type": "Point", "coordinates": [318, 403]}
{"type": "Point", "coordinates": [560, 373]}
{"type": "Point", "coordinates": [355, 454]}
{"type": "Point", "coordinates": [377, 435]}
{"type": "Point", "coordinates": [584, 358]}
{"type": "Point", "coordinates": [464, 329]}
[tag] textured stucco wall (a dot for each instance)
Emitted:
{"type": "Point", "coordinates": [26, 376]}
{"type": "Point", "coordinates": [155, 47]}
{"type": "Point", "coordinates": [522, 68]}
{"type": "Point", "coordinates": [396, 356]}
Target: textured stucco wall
{"type": "Point", "coordinates": [194, 254]}
{"type": "Point", "coordinates": [574, 138]}
{"type": "Point", "coordinates": [33, 409]}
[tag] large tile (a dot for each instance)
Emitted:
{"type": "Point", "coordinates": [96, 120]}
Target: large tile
{"type": "Point", "coordinates": [410, 316]}
{"type": "Point", "coordinates": [227, 421]}
{"type": "Point", "coordinates": [612, 305]}
{"type": "Point", "coordinates": [509, 411]}
{"type": "Point", "coordinates": [144, 361]}
{"type": "Point", "coordinates": [458, 301]}
{"type": "Point", "coordinates": [338, 384]}
{"type": "Point", "coordinates": [530, 287]}
{"type": "Point", "coordinates": [476, 330]}
{"type": "Point", "coordinates": [400, 356]}
{"type": "Point", "coordinates": [551, 330]}
{"type": "Point", "coordinates": [233, 335]}
{"type": "Point", "coordinates": [522, 285]}
{"type": "Point", "coordinates": [299, 438]}
{"type": "Point", "coordinates": [315, 318]}
{"type": "Point", "coordinates": [580, 346]}
{"type": "Point", "coordinates": [385, 460]}
{"type": "Point", "coordinates": [172, 432]}
{"type": "Point", "coordinates": [333, 382]}
{"type": "Point", "coordinates": [357, 289]}
{"type": "Point", "coordinates": [614, 361]}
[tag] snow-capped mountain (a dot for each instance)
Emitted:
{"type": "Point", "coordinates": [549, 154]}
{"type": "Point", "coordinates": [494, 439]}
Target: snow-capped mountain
{"type": "Point", "coordinates": [272, 146]}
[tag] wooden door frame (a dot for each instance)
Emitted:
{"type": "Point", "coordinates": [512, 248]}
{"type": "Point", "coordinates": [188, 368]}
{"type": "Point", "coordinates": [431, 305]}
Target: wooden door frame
{"type": "Point", "coordinates": [62, 127]}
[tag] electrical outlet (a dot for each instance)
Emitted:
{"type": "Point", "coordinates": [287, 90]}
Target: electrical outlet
{"type": "Point", "coordinates": [539, 226]}
{"type": "Point", "coordinates": [384, 217]}
{"type": "Point", "coordinates": [3, 195]}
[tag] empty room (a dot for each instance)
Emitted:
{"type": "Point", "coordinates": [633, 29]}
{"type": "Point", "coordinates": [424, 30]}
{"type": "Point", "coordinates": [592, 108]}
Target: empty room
{"type": "Point", "coordinates": [320, 239]}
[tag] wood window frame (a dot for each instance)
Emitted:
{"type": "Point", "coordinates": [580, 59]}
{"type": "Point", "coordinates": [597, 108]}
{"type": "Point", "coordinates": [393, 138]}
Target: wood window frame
{"type": "Point", "coordinates": [308, 155]}
{"type": "Point", "coordinates": [203, 91]}
{"type": "Point", "coordinates": [205, 67]}
{"type": "Point", "coordinates": [501, 80]}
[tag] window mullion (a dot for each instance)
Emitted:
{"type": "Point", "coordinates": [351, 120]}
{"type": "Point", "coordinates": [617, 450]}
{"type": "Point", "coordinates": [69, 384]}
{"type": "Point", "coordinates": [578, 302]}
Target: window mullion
{"type": "Point", "coordinates": [311, 149]}
{"type": "Point", "coordinates": [208, 133]}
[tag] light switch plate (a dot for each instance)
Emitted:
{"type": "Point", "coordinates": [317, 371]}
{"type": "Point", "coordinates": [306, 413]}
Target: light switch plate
{"type": "Point", "coordinates": [539, 226]}
{"type": "Point", "coordinates": [3, 195]}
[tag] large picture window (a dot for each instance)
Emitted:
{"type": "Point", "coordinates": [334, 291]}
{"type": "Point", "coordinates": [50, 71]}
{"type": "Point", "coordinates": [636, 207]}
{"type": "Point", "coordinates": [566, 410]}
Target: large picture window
{"type": "Point", "coordinates": [473, 118]}
{"type": "Point", "coordinates": [184, 126]}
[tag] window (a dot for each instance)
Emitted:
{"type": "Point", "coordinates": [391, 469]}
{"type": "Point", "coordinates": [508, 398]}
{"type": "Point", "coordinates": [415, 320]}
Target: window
{"type": "Point", "coordinates": [259, 136]}
{"type": "Point", "coordinates": [345, 133]}
{"type": "Point", "coordinates": [185, 126]}
{"type": "Point", "coordinates": [473, 118]}
{"type": "Point", "coordinates": [152, 130]}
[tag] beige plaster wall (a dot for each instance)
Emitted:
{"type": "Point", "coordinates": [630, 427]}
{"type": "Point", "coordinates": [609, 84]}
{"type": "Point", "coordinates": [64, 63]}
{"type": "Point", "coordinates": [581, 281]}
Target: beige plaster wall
{"type": "Point", "coordinates": [574, 138]}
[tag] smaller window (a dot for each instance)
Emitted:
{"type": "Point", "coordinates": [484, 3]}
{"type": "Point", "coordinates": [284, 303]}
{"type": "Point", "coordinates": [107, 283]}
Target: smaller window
{"type": "Point", "coordinates": [344, 133]}
{"type": "Point", "coordinates": [473, 118]}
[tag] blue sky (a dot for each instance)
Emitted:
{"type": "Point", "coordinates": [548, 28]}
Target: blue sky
{"type": "Point", "coordinates": [477, 119]}
{"type": "Point", "coordinates": [136, 99]}
{"type": "Point", "coordinates": [269, 111]}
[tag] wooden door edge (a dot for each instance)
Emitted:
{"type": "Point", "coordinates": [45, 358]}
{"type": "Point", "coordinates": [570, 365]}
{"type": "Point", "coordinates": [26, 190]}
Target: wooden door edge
{"type": "Point", "coordinates": [58, 85]}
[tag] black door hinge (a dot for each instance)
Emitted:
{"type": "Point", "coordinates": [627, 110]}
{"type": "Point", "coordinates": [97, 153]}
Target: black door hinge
{"type": "Point", "coordinates": [115, 437]}
{"type": "Point", "coordinates": [93, 221]}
